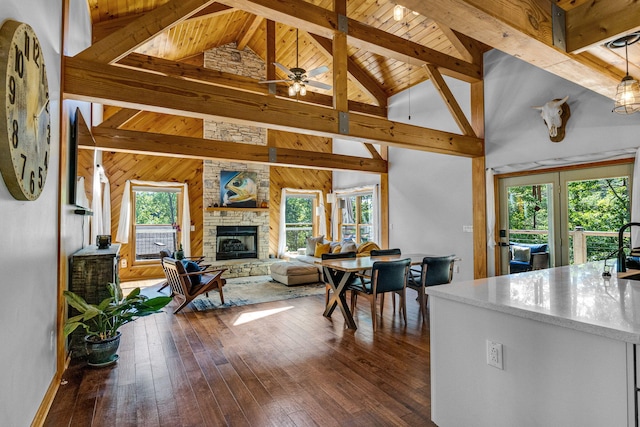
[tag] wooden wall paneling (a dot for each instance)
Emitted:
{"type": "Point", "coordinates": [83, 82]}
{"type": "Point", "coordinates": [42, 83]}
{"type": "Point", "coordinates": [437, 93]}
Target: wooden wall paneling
{"type": "Point", "coordinates": [121, 167]}
{"type": "Point", "coordinates": [284, 177]}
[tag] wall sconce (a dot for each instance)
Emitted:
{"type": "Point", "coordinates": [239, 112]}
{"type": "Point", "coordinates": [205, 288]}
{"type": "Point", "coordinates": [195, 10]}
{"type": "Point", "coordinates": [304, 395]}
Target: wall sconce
{"type": "Point", "coordinates": [628, 92]}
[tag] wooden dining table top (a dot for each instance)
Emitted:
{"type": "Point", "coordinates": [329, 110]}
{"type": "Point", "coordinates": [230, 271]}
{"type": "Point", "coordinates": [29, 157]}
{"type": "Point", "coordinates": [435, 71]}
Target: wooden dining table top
{"type": "Point", "coordinates": [366, 262]}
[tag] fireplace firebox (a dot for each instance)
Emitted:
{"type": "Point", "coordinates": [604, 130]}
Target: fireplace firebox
{"type": "Point", "coordinates": [236, 242]}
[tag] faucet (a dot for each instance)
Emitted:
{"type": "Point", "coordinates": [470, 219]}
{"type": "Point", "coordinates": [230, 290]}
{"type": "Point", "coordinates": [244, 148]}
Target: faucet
{"type": "Point", "coordinates": [621, 267]}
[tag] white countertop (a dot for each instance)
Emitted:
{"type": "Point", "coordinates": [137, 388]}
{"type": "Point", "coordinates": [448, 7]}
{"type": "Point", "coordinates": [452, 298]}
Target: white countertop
{"type": "Point", "coordinates": [575, 297]}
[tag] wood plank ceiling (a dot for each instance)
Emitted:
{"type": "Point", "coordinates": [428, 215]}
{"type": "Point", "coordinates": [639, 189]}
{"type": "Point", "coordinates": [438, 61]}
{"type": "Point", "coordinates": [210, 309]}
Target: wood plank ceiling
{"type": "Point", "coordinates": [383, 56]}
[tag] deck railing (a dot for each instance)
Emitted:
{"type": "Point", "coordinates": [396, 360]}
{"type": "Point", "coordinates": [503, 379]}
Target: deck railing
{"type": "Point", "coordinates": [583, 245]}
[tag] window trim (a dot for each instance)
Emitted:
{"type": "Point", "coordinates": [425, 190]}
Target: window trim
{"type": "Point", "coordinates": [158, 189]}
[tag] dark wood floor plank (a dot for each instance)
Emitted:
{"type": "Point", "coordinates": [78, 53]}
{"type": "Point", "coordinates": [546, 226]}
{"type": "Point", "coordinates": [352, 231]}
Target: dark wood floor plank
{"type": "Point", "coordinates": [280, 363]}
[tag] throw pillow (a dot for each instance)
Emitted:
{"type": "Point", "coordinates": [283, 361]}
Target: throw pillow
{"type": "Point", "coordinates": [311, 244]}
{"type": "Point", "coordinates": [521, 253]}
{"type": "Point", "coordinates": [321, 248]}
{"type": "Point", "coordinates": [336, 249]}
{"type": "Point", "coordinates": [348, 246]}
{"type": "Point", "coordinates": [192, 267]}
{"type": "Point", "coordinates": [367, 247]}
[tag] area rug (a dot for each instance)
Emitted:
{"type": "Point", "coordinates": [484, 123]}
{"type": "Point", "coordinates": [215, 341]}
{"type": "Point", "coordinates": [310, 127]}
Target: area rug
{"type": "Point", "coordinates": [254, 289]}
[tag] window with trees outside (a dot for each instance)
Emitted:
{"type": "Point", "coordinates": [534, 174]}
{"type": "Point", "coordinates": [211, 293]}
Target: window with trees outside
{"type": "Point", "coordinates": [357, 218]}
{"type": "Point", "coordinates": [299, 220]}
{"type": "Point", "coordinates": [156, 219]}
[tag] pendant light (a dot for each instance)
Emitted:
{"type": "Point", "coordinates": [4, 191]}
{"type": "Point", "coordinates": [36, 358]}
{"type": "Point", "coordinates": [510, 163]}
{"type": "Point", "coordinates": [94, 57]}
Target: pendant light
{"type": "Point", "coordinates": [298, 87]}
{"type": "Point", "coordinates": [627, 99]}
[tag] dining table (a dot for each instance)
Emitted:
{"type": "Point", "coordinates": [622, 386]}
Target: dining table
{"type": "Point", "coordinates": [351, 267]}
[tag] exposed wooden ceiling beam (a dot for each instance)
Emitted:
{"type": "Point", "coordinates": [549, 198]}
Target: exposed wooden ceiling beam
{"type": "Point", "coordinates": [194, 72]}
{"type": "Point", "coordinates": [123, 87]}
{"type": "Point", "coordinates": [521, 28]}
{"type": "Point", "coordinates": [122, 42]}
{"type": "Point", "coordinates": [358, 75]}
{"type": "Point", "coordinates": [253, 24]}
{"type": "Point", "coordinates": [450, 100]}
{"type": "Point", "coordinates": [102, 29]}
{"type": "Point", "coordinates": [119, 118]}
{"type": "Point", "coordinates": [323, 22]}
{"type": "Point", "coordinates": [596, 22]}
{"type": "Point", "coordinates": [372, 150]}
{"type": "Point", "coordinates": [196, 148]}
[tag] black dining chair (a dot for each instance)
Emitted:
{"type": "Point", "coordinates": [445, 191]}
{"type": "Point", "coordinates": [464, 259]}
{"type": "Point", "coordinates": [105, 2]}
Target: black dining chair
{"type": "Point", "coordinates": [433, 271]}
{"type": "Point", "coordinates": [383, 252]}
{"type": "Point", "coordinates": [386, 276]}
{"type": "Point", "coordinates": [337, 275]}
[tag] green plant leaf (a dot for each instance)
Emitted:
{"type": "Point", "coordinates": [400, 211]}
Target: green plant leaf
{"type": "Point", "coordinates": [76, 301]}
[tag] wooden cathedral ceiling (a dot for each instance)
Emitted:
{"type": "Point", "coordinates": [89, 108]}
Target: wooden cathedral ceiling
{"type": "Point", "coordinates": [383, 57]}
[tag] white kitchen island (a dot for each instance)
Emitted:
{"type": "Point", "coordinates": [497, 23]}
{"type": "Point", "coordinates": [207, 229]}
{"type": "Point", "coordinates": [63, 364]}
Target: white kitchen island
{"type": "Point", "coordinates": [568, 343]}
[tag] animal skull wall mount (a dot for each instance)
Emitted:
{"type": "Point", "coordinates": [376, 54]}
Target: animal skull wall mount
{"type": "Point", "coordinates": [555, 114]}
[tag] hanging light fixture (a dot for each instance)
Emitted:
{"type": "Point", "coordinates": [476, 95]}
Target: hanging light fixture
{"type": "Point", "coordinates": [627, 99]}
{"type": "Point", "coordinates": [298, 86]}
{"type": "Point", "coordinates": [398, 12]}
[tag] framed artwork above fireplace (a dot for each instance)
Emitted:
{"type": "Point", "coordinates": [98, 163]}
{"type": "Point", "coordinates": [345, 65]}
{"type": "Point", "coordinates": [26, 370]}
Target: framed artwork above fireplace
{"type": "Point", "coordinates": [238, 189]}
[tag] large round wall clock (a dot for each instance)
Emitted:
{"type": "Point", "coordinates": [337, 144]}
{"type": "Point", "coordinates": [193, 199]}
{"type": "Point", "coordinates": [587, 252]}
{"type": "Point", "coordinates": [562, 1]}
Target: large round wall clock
{"type": "Point", "coordinates": [25, 132]}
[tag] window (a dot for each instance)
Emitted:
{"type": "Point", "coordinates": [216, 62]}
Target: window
{"type": "Point", "coordinates": [357, 218]}
{"type": "Point", "coordinates": [299, 220]}
{"type": "Point", "coordinates": [156, 219]}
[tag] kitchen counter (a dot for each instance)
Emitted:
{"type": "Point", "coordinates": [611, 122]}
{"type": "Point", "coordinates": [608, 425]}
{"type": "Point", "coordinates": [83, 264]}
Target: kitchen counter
{"type": "Point", "coordinates": [576, 297]}
{"type": "Point", "coordinates": [565, 337]}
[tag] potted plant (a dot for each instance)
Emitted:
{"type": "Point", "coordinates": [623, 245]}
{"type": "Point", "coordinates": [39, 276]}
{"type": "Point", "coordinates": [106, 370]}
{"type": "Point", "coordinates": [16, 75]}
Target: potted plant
{"type": "Point", "coordinates": [102, 321]}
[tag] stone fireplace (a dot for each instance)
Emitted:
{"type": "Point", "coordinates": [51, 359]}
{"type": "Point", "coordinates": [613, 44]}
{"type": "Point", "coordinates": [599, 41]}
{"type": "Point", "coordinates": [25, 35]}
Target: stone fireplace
{"type": "Point", "coordinates": [245, 63]}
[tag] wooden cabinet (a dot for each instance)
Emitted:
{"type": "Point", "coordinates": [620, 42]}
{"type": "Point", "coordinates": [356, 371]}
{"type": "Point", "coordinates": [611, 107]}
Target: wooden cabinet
{"type": "Point", "coordinates": [92, 269]}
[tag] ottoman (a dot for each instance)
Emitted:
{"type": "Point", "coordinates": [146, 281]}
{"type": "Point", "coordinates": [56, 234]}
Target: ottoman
{"type": "Point", "coordinates": [294, 273]}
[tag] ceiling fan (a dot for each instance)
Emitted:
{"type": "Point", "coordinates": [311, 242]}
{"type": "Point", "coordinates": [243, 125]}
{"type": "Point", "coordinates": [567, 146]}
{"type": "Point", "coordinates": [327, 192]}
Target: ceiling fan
{"type": "Point", "coordinates": [299, 77]}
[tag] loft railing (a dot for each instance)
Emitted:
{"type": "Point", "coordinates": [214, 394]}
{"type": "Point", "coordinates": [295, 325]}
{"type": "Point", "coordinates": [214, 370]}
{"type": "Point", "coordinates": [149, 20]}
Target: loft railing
{"type": "Point", "coordinates": [584, 245]}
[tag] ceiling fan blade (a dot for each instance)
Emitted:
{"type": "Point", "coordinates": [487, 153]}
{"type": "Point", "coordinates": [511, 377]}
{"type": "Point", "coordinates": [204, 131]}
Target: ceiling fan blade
{"type": "Point", "coordinates": [319, 85]}
{"type": "Point", "coordinates": [318, 71]}
{"type": "Point", "coordinates": [274, 81]}
{"type": "Point", "coordinates": [283, 68]}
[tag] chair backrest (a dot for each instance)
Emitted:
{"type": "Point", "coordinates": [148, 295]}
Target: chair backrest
{"type": "Point", "coordinates": [388, 276]}
{"type": "Point", "coordinates": [164, 254]}
{"type": "Point", "coordinates": [339, 255]}
{"type": "Point", "coordinates": [176, 276]}
{"type": "Point", "coordinates": [438, 270]}
{"type": "Point", "coordinates": [383, 252]}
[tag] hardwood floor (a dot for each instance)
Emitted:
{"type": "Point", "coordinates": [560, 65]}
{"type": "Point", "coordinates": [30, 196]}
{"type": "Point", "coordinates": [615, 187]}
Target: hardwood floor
{"type": "Point", "coordinates": [272, 364]}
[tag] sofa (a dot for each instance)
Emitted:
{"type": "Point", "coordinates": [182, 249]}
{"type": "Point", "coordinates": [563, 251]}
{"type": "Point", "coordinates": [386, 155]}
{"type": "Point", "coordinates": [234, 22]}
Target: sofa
{"type": "Point", "coordinates": [318, 245]}
{"type": "Point", "coordinates": [306, 268]}
{"type": "Point", "coordinates": [528, 256]}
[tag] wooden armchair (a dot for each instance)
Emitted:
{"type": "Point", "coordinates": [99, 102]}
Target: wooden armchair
{"type": "Point", "coordinates": [181, 284]}
{"type": "Point", "coordinates": [165, 254]}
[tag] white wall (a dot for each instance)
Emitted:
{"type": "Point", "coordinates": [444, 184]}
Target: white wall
{"type": "Point", "coordinates": [430, 194]}
{"type": "Point", "coordinates": [515, 133]}
{"type": "Point", "coordinates": [29, 266]}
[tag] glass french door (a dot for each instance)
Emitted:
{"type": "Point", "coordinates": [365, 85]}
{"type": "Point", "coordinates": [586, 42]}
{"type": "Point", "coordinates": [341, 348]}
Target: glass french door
{"type": "Point", "coordinates": [576, 212]}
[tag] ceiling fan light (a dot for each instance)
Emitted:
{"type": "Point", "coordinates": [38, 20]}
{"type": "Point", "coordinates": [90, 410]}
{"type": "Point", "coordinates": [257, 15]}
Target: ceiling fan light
{"type": "Point", "coordinates": [296, 87]}
{"type": "Point", "coordinates": [303, 90]}
{"type": "Point", "coordinates": [292, 91]}
{"type": "Point", "coordinates": [627, 96]}
{"type": "Point", "coordinates": [398, 12]}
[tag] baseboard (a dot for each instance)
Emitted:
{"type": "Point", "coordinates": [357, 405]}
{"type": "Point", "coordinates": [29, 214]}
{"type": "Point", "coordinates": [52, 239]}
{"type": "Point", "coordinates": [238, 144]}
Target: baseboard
{"type": "Point", "coordinates": [49, 396]}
